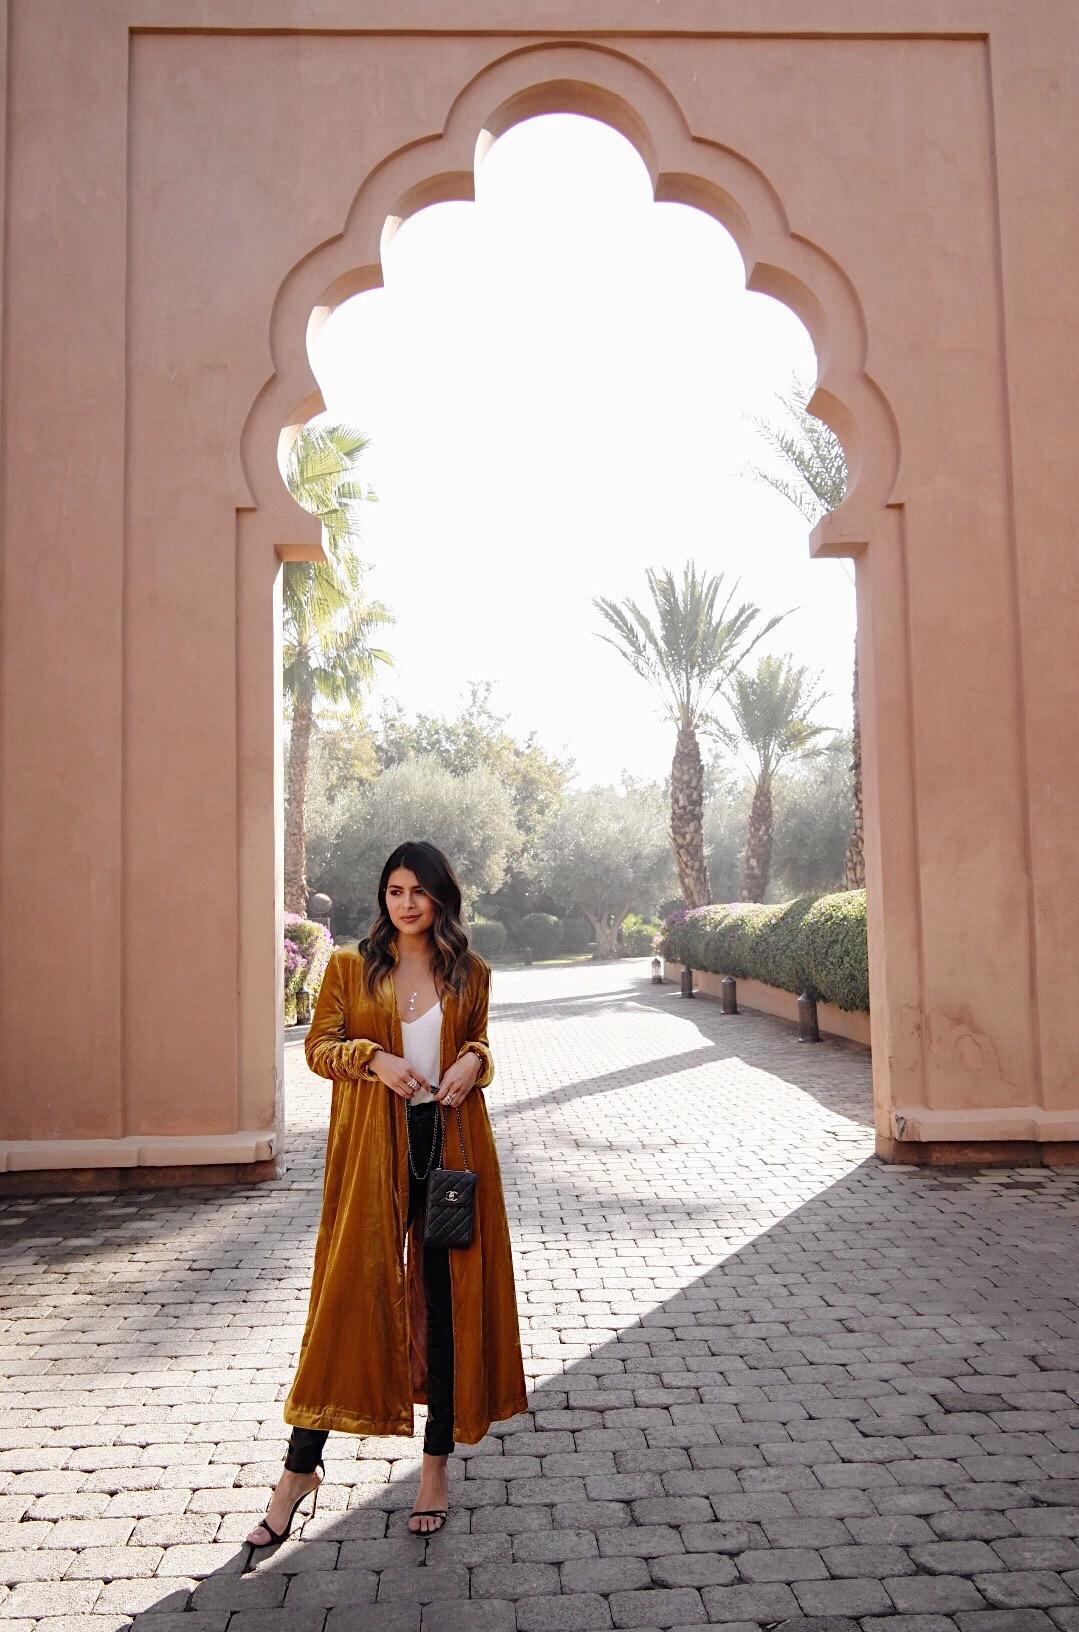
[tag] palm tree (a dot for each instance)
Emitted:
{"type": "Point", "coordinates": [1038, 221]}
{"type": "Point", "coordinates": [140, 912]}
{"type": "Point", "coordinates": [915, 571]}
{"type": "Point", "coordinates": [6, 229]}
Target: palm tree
{"type": "Point", "coordinates": [817, 484]}
{"type": "Point", "coordinates": [689, 657]}
{"type": "Point", "coordinates": [328, 657]}
{"type": "Point", "coordinates": [771, 710]}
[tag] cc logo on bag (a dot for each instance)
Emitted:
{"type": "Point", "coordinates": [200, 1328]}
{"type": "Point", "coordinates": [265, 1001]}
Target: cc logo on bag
{"type": "Point", "coordinates": [451, 1195]}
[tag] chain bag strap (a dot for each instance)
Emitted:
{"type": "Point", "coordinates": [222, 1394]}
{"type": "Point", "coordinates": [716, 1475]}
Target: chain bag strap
{"type": "Point", "coordinates": [451, 1198]}
{"type": "Point", "coordinates": [434, 1142]}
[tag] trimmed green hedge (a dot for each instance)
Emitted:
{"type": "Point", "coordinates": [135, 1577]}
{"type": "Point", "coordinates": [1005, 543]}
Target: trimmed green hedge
{"type": "Point", "coordinates": [815, 944]}
{"type": "Point", "coordinates": [487, 937]}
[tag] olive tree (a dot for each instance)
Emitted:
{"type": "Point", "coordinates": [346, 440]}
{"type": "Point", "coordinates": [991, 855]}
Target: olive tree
{"type": "Point", "coordinates": [605, 854]}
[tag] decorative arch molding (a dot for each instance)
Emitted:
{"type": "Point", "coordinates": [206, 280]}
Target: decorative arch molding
{"type": "Point", "coordinates": [606, 85]}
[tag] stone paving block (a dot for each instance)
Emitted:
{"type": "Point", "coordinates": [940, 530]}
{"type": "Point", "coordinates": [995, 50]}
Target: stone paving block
{"type": "Point", "coordinates": [693, 1570]}
{"type": "Point", "coordinates": [658, 1607]}
{"type": "Point", "coordinates": [953, 1557]}
{"type": "Point", "coordinates": [1036, 1589]}
{"type": "Point", "coordinates": [555, 1546]}
{"type": "Point", "coordinates": [818, 1623]}
{"type": "Point", "coordinates": [1045, 1521]}
{"type": "Point", "coordinates": [1004, 1620]}
{"type": "Point", "coordinates": [1038, 1552]}
{"type": "Point", "coordinates": [136, 1597]}
{"type": "Point", "coordinates": [395, 1617]}
{"type": "Point", "coordinates": [781, 1564]}
{"type": "Point", "coordinates": [79, 1623]}
{"type": "Point", "coordinates": [424, 1586]}
{"type": "Point", "coordinates": [240, 1592]}
{"type": "Point", "coordinates": [522, 1579]}
{"type": "Point", "coordinates": [326, 1588]}
{"type": "Point", "coordinates": [665, 1510]}
{"type": "Point", "coordinates": [720, 1538]}
{"type": "Point", "coordinates": [476, 1615]}
{"type": "Point", "coordinates": [847, 1597]}
{"type": "Point", "coordinates": [956, 1525]}
{"type": "Point", "coordinates": [869, 1560]}
{"type": "Point", "coordinates": [271, 1620]}
{"type": "Point", "coordinates": [604, 1575]}
{"type": "Point", "coordinates": [35, 1564]}
{"type": "Point", "coordinates": [112, 1563]}
{"type": "Point", "coordinates": [640, 1541]}
{"type": "Point", "coordinates": [36, 1599]}
{"type": "Point", "coordinates": [910, 1623]}
{"type": "Point", "coordinates": [937, 1594]}
{"type": "Point", "coordinates": [751, 1601]}
{"type": "Point", "coordinates": [514, 1520]}
{"type": "Point", "coordinates": [570, 1612]}
{"type": "Point", "coordinates": [175, 1621]}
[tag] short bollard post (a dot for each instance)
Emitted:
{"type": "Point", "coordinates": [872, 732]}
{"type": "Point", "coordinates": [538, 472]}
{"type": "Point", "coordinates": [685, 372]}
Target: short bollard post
{"type": "Point", "coordinates": [528, 954]}
{"type": "Point", "coordinates": [687, 983]}
{"type": "Point", "coordinates": [728, 989]}
{"type": "Point", "coordinates": [657, 972]}
{"type": "Point", "coordinates": [808, 1030]}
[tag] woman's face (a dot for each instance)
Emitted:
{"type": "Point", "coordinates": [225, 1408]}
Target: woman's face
{"type": "Point", "coordinates": [411, 909]}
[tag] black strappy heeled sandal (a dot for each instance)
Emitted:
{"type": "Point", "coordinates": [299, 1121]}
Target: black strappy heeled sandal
{"type": "Point", "coordinates": [254, 1546]}
{"type": "Point", "coordinates": [439, 1513]}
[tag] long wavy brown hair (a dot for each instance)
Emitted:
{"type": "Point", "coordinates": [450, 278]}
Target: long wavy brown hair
{"type": "Point", "coordinates": [452, 962]}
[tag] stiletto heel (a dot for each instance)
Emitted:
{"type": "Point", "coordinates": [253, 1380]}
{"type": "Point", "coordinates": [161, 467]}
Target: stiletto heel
{"type": "Point", "coordinates": [255, 1546]}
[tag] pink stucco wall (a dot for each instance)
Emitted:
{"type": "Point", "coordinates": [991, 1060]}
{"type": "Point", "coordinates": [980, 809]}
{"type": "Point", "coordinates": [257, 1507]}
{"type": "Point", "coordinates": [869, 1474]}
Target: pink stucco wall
{"type": "Point", "coordinates": [903, 175]}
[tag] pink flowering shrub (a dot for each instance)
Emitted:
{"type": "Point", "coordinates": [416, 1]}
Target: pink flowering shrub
{"type": "Point", "coordinates": [307, 952]}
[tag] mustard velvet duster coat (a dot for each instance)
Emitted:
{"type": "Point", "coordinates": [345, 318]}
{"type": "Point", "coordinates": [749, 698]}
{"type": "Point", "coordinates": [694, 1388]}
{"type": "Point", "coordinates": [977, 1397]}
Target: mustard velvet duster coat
{"type": "Point", "coordinates": [363, 1356]}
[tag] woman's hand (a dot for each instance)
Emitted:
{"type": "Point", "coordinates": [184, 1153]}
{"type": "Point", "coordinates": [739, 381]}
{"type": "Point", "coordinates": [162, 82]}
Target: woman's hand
{"type": "Point", "coordinates": [397, 1074]}
{"type": "Point", "coordinates": [459, 1080]}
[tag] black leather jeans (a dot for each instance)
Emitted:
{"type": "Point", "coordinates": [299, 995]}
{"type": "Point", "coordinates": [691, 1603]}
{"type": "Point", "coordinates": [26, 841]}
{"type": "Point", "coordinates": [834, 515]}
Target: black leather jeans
{"type": "Point", "coordinates": [305, 1445]}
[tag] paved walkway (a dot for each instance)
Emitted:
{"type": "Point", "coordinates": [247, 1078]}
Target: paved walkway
{"type": "Point", "coordinates": [770, 1377]}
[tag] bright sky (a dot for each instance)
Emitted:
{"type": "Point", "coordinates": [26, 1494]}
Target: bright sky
{"type": "Point", "coordinates": [556, 382]}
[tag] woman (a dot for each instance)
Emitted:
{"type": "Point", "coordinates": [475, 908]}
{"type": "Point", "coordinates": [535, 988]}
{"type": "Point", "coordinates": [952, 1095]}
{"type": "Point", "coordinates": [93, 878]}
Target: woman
{"type": "Point", "coordinates": [400, 1027]}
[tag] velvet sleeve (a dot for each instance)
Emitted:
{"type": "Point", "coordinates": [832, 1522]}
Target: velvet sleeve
{"type": "Point", "coordinates": [329, 1051]}
{"type": "Point", "coordinates": [476, 1041]}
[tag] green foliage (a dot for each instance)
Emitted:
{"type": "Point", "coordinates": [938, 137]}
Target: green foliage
{"type": "Point", "coordinates": [693, 647]}
{"type": "Point", "coordinates": [771, 709]}
{"type": "Point", "coordinates": [813, 817]}
{"type": "Point", "coordinates": [725, 824]}
{"type": "Point", "coordinates": [814, 944]}
{"type": "Point", "coordinates": [474, 738]}
{"type": "Point", "coordinates": [469, 817]}
{"type": "Point", "coordinates": [815, 478]}
{"type": "Point", "coordinates": [606, 853]}
{"type": "Point", "coordinates": [487, 937]}
{"type": "Point", "coordinates": [327, 653]}
{"type": "Point", "coordinates": [342, 758]}
{"type": "Point", "coordinates": [307, 952]}
{"type": "Point", "coordinates": [542, 931]}
{"type": "Point", "coordinates": [638, 935]}
{"type": "Point", "coordinates": [576, 935]}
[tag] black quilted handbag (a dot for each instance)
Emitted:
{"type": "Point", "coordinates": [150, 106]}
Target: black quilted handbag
{"type": "Point", "coordinates": [451, 1200]}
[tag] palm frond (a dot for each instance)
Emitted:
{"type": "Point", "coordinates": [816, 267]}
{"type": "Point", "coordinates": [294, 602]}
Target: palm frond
{"type": "Point", "coordinates": [811, 451]}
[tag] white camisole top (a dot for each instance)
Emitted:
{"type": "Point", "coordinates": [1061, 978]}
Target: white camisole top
{"type": "Point", "coordinates": [421, 1040]}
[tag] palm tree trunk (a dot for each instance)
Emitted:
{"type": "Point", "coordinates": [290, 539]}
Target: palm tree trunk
{"type": "Point", "coordinates": [758, 865]}
{"type": "Point", "coordinates": [687, 818]}
{"type": "Point", "coordinates": [299, 758]}
{"type": "Point", "coordinates": [854, 861]}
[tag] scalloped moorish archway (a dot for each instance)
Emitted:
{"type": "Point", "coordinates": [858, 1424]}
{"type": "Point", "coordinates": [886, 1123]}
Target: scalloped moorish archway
{"type": "Point", "coordinates": [220, 177]}
{"type": "Point", "coordinates": [687, 169]}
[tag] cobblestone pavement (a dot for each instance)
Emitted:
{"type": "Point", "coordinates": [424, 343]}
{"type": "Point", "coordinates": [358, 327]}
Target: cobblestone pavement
{"type": "Point", "coordinates": [771, 1379]}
